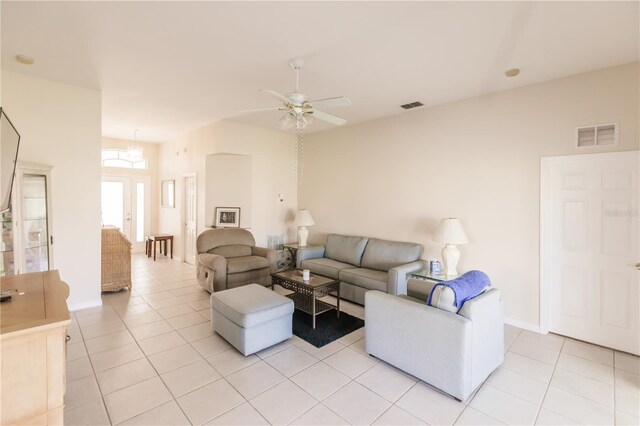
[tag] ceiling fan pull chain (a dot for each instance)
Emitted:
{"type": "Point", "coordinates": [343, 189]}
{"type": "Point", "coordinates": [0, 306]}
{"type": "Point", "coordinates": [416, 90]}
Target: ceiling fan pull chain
{"type": "Point", "coordinates": [295, 161]}
{"type": "Point", "coordinates": [301, 155]}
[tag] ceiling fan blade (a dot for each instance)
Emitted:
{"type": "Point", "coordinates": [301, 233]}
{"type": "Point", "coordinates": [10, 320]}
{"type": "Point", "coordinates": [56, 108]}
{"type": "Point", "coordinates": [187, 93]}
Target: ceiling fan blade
{"type": "Point", "coordinates": [330, 102]}
{"type": "Point", "coordinates": [262, 109]}
{"type": "Point", "coordinates": [328, 117]}
{"type": "Point", "coordinates": [277, 95]}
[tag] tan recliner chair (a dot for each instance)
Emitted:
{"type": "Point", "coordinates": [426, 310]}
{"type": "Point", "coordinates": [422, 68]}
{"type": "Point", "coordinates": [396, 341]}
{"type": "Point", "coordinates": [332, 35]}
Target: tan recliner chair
{"type": "Point", "coordinates": [229, 258]}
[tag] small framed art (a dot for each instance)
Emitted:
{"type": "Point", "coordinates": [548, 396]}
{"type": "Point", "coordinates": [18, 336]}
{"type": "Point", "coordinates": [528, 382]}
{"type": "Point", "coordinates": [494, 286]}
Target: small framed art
{"type": "Point", "coordinates": [227, 217]}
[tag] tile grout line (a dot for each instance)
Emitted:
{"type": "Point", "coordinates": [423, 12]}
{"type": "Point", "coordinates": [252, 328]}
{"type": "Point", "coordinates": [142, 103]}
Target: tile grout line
{"type": "Point", "coordinates": [549, 384]}
{"type": "Point", "coordinates": [95, 377]}
{"type": "Point", "coordinates": [393, 404]}
{"type": "Point", "coordinates": [154, 369]}
{"type": "Point", "coordinates": [615, 412]}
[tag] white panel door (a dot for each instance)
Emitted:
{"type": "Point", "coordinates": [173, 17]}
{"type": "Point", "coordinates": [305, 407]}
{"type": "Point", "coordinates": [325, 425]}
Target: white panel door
{"type": "Point", "coordinates": [592, 248]}
{"type": "Point", "coordinates": [190, 214]}
{"type": "Point", "coordinates": [126, 204]}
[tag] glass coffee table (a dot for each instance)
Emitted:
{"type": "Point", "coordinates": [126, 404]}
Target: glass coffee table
{"type": "Point", "coordinates": [306, 294]}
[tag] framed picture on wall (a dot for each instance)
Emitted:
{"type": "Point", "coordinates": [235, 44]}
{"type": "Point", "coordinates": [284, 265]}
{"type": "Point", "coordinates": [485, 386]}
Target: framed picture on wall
{"type": "Point", "coordinates": [227, 217]}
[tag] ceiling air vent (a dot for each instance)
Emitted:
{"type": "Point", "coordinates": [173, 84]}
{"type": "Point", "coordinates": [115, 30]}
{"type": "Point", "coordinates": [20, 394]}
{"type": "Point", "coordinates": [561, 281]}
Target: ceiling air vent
{"type": "Point", "coordinates": [597, 135]}
{"type": "Point", "coordinates": [412, 105]}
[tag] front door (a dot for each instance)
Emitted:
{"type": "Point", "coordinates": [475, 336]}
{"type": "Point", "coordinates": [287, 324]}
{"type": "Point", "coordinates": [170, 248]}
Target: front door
{"type": "Point", "coordinates": [126, 205]}
{"type": "Point", "coordinates": [190, 214]}
{"type": "Point", "coordinates": [590, 241]}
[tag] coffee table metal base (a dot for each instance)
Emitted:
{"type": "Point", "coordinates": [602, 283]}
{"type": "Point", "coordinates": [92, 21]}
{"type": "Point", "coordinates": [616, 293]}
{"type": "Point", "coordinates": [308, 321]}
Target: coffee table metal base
{"type": "Point", "coordinates": [307, 299]}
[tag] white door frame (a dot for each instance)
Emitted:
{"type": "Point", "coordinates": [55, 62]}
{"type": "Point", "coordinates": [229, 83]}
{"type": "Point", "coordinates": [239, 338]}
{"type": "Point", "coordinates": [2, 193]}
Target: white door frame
{"type": "Point", "coordinates": [183, 212]}
{"type": "Point", "coordinates": [545, 221]}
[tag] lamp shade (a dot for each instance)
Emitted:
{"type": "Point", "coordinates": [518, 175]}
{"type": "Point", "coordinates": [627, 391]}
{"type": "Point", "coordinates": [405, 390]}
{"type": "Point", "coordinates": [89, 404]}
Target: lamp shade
{"type": "Point", "coordinates": [450, 232]}
{"type": "Point", "coordinates": [303, 218]}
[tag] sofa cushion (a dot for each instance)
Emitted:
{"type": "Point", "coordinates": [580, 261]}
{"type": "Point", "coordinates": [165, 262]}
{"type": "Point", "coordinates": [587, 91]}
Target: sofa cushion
{"type": "Point", "coordinates": [323, 266]}
{"type": "Point", "coordinates": [366, 278]}
{"type": "Point", "coordinates": [383, 255]}
{"type": "Point", "coordinates": [246, 263]}
{"type": "Point", "coordinates": [212, 238]}
{"type": "Point", "coordinates": [251, 305]}
{"type": "Point", "coordinates": [232, 250]}
{"type": "Point", "coordinates": [344, 248]}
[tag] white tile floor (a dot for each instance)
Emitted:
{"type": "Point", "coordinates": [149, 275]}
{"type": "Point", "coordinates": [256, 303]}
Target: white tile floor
{"type": "Point", "coordinates": [148, 357]}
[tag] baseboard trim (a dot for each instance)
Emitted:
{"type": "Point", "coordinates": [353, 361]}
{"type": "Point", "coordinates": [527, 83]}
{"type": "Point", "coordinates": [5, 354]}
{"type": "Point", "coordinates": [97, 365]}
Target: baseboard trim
{"type": "Point", "coordinates": [522, 324]}
{"type": "Point", "coordinates": [85, 305]}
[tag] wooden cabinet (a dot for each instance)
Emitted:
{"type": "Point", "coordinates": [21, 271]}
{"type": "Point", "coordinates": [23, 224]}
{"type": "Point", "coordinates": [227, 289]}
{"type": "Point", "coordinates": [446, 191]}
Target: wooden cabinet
{"type": "Point", "coordinates": [32, 349]}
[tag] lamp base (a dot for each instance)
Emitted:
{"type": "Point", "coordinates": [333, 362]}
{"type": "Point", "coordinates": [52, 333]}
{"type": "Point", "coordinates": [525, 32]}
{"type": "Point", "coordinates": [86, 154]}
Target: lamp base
{"type": "Point", "coordinates": [303, 234]}
{"type": "Point", "coordinates": [450, 257]}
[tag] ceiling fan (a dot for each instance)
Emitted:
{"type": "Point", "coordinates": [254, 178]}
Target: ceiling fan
{"type": "Point", "coordinates": [300, 110]}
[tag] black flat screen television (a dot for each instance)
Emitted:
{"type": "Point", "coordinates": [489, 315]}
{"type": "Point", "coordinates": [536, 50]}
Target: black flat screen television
{"type": "Point", "coordinates": [9, 144]}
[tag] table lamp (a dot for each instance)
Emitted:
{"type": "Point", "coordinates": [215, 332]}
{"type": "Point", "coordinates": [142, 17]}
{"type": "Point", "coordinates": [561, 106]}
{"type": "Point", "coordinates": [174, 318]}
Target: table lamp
{"type": "Point", "coordinates": [451, 233]}
{"type": "Point", "coordinates": [303, 219]}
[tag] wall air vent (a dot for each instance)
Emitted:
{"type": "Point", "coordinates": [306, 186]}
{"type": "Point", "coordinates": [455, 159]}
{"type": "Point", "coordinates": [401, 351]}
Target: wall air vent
{"type": "Point", "coordinates": [411, 105]}
{"type": "Point", "coordinates": [597, 135]}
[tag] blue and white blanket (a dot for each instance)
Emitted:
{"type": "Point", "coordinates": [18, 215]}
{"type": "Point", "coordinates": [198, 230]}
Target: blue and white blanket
{"type": "Point", "coordinates": [465, 287]}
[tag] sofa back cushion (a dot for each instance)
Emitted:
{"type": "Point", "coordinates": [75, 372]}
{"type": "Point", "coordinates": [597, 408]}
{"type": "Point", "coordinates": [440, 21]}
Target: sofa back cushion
{"type": "Point", "coordinates": [212, 238]}
{"type": "Point", "coordinates": [383, 255]}
{"type": "Point", "coordinates": [232, 250]}
{"type": "Point", "coordinates": [344, 248]}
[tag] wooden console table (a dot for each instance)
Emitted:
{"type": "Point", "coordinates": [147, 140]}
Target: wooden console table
{"type": "Point", "coordinates": [33, 334]}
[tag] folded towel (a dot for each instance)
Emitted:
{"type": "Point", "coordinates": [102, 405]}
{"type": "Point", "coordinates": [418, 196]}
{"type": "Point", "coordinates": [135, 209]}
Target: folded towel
{"type": "Point", "coordinates": [465, 287]}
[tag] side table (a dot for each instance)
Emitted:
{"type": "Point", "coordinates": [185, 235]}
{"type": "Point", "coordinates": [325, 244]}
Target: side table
{"type": "Point", "coordinates": [293, 249]}
{"type": "Point", "coordinates": [421, 290]}
{"type": "Point", "coordinates": [163, 239]}
{"type": "Point", "coordinates": [425, 274]}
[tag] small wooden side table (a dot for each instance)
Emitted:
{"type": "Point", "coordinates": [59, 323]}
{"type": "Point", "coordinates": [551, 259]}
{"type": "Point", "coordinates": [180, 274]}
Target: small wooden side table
{"type": "Point", "coordinates": [162, 239]}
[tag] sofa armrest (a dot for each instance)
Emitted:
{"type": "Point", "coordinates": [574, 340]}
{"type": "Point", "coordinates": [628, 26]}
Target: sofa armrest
{"type": "Point", "coordinates": [308, 252]}
{"type": "Point", "coordinates": [486, 314]}
{"type": "Point", "coordinates": [429, 343]}
{"type": "Point", "coordinates": [218, 265]}
{"type": "Point", "coordinates": [270, 254]}
{"type": "Point", "coordinates": [397, 280]}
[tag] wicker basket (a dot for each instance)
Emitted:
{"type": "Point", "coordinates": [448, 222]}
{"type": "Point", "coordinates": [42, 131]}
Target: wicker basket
{"type": "Point", "coordinates": [116, 260]}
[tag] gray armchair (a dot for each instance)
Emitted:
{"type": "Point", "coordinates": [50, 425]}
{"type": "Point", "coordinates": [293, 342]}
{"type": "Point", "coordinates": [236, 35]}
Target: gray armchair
{"type": "Point", "coordinates": [229, 258]}
{"type": "Point", "coordinates": [452, 351]}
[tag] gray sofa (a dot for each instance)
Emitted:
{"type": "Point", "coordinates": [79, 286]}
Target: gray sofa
{"type": "Point", "coordinates": [363, 264]}
{"type": "Point", "coordinates": [229, 258]}
{"type": "Point", "coordinates": [454, 350]}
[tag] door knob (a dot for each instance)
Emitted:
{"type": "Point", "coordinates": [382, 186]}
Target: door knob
{"type": "Point", "coordinates": [638, 266]}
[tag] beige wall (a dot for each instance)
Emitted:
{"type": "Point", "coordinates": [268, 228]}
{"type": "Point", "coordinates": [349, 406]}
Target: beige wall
{"type": "Point", "coordinates": [272, 158]}
{"type": "Point", "coordinates": [477, 159]}
{"type": "Point", "coordinates": [60, 126]}
{"type": "Point", "coordinates": [229, 180]}
{"type": "Point", "coordinates": [151, 152]}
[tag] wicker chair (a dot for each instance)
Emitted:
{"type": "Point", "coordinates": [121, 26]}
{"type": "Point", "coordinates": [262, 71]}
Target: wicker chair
{"type": "Point", "coordinates": [116, 260]}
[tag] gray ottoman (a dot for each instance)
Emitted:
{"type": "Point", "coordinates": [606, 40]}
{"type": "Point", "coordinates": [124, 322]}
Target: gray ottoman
{"type": "Point", "coordinates": [251, 317]}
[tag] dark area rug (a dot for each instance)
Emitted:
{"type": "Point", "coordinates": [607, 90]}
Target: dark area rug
{"type": "Point", "coordinates": [328, 327]}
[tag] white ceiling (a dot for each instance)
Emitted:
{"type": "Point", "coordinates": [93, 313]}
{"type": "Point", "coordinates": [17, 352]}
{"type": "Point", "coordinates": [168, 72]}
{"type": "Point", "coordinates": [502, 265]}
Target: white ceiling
{"type": "Point", "coordinates": [170, 67]}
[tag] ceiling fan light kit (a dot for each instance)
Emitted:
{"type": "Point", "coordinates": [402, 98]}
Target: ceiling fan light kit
{"type": "Point", "coordinates": [300, 110]}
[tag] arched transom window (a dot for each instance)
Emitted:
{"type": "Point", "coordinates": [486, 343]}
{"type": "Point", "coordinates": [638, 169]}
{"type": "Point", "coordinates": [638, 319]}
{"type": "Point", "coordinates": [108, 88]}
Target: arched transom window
{"type": "Point", "coordinates": [128, 159]}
